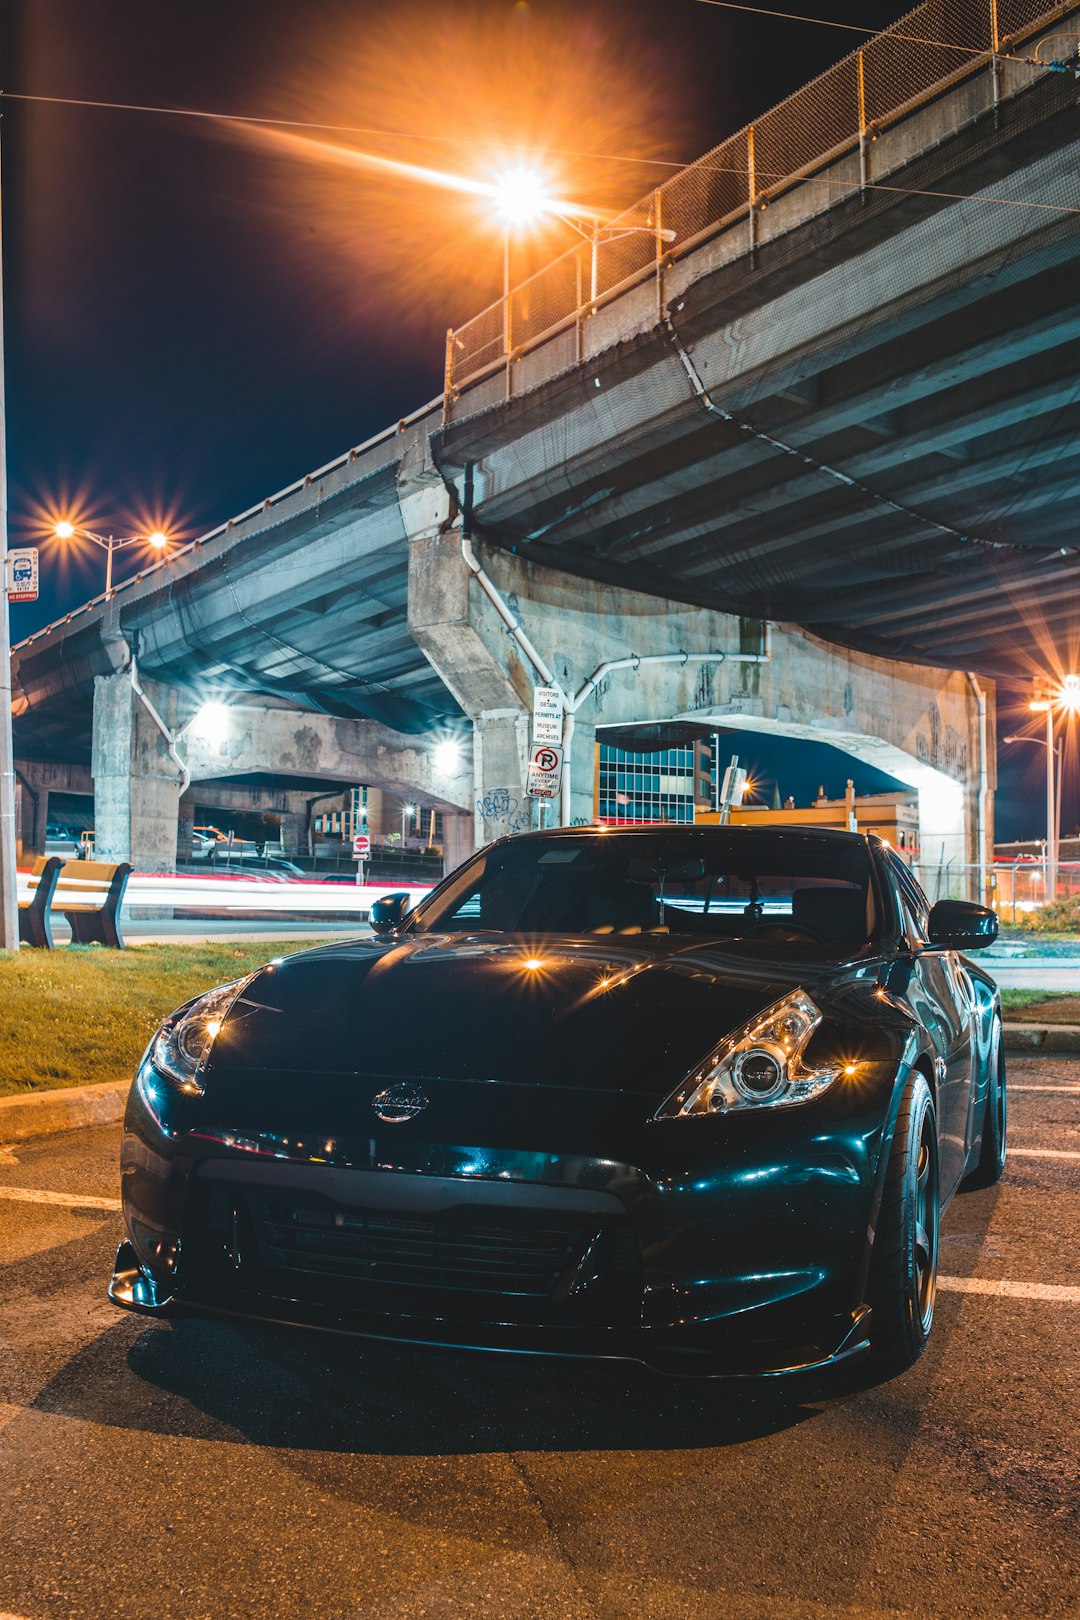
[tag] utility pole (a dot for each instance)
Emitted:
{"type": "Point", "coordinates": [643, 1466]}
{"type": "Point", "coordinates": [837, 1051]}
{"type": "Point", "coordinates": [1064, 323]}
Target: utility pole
{"type": "Point", "coordinates": [9, 905]}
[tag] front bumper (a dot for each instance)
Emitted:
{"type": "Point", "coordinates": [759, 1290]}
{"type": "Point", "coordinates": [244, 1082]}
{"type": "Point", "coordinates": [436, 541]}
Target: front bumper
{"type": "Point", "coordinates": [745, 1261]}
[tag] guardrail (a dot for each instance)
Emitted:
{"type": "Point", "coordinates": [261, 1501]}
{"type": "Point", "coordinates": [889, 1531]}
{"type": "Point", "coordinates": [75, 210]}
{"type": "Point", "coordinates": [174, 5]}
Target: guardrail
{"type": "Point", "coordinates": [924, 53]}
{"type": "Point", "coordinates": [165, 563]}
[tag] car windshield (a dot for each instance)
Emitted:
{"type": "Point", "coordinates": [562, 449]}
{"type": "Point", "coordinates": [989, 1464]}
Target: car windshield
{"type": "Point", "coordinates": [719, 883]}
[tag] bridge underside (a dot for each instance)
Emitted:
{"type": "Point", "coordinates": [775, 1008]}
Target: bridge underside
{"type": "Point", "coordinates": [892, 457]}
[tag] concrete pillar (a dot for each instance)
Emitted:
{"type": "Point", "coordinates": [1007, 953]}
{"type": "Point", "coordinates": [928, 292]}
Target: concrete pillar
{"type": "Point", "coordinates": [500, 763]}
{"type": "Point", "coordinates": [945, 866]}
{"type": "Point", "coordinates": [458, 839]}
{"type": "Point", "coordinates": [184, 827]}
{"type": "Point", "coordinates": [293, 833]}
{"type": "Point", "coordinates": [39, 821]}
{"type": "Point", "coordinates": [466, 641]}
{"type": "Point", "coordinates": [581, 757]}
{"type": "Point", "coordinates": [136, 782]}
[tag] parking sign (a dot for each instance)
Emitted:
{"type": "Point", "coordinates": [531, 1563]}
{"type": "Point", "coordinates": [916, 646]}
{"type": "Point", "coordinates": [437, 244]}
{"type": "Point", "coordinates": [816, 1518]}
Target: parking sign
{"type": "Point", "coordinates": [545, 771]}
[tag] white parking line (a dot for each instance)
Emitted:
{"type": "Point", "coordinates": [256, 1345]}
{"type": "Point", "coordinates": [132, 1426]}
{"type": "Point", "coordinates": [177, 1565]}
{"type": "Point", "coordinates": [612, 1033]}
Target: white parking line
{"type": "Point", "coordinates": [1065, 1091]}
{"type": "Point", "coordinates": [1043, 1153]}
{"type": "Point", "coordinates": [38, 1195]}
{"type": "Point", "coordinates": [1011, 1290]}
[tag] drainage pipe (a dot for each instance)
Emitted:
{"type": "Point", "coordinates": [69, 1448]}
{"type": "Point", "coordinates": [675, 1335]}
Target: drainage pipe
{"type": "Point", "coordinates": [984, 784]}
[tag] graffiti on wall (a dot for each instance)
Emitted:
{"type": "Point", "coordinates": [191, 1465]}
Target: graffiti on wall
{"type": "Point", "coordinates": [501, 812]}
{"type": "Point", "coordinates": [944, 749]}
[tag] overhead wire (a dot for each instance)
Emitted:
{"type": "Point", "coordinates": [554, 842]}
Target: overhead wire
{"type": "Point", "coordinates": [357, 129]}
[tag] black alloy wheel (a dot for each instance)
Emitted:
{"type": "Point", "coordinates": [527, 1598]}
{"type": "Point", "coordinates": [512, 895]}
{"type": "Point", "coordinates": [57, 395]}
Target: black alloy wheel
{"type": "Point", "coordinates": [902, 1283]}
{"type": "Point", "coordinates": [995, 1125]}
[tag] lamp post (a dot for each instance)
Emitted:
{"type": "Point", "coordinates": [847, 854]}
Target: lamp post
{"type": "Point", "coordinates": [408, 813]}
{"type": "Point", "coordinates": [1066, 697]}
{"type": "Point", "coordinates": [521, 199]}
{"type": "Point", "coordinates": [9, 905]}
{"type": "Point", "coordinates": [110, 543]}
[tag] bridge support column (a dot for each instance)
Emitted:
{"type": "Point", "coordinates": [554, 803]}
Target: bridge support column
{"type": "Point", "coordinates": [136, 783]}
{"type": "Point", "coordinates": [464, 638]}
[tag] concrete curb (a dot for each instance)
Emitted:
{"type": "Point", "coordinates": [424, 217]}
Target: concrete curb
{"type": "Point", "coordinates": [43, 1112]}
{"type": "Point", "coordinates": [1062, 1040]}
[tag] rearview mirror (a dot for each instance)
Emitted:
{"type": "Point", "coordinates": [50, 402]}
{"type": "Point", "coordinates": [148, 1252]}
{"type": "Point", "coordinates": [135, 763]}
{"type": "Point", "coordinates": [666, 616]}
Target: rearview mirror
{"type": "Point", "coordinates": [644, 871]}
{"type": "Point", "coordinates": [960, 926]}
{"type": "Point", "coordinates": [388, 912]}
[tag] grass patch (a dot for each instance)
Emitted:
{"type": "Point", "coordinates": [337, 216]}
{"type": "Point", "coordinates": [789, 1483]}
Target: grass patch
{"type": "Point", "coordinates": [1040, 1007]}
{"type": "Point", "coordinates": [81, 1015]}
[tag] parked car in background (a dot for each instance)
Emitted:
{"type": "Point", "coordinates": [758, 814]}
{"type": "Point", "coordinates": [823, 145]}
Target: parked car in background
{"type": "Point", "coordinates": [60, 840]}
{"type": "Point", "coordinates": [205, 841]}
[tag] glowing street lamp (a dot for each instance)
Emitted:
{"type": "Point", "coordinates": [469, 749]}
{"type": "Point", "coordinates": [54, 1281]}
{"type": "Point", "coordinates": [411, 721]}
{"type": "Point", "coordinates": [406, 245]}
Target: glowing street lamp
{"type": "Point", "coordinates": [521, 198]}
{"type": "Point", "coordinates": [64, 530]}
{"type": "Point", "coordinates": [1065, 697]}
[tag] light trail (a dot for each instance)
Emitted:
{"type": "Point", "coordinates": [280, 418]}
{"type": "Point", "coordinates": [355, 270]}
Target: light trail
{"type": "Point", "coordinates": [301, 897]}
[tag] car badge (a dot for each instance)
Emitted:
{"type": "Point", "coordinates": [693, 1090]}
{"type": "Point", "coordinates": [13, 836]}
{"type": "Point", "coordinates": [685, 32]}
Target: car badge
{"type": "Point", "coordinates": [397, 1104]}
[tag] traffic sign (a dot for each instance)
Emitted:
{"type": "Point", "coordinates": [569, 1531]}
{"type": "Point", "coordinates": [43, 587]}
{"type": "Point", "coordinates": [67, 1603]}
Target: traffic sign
{"type": "Point", "coordinates": [545, 771]}
{"type": "Point", "coordinates": [547, 715]}
{"type": "Point", "coordinates": [361, 847]}
{"type": "Point", "coordinates": [22, 570]}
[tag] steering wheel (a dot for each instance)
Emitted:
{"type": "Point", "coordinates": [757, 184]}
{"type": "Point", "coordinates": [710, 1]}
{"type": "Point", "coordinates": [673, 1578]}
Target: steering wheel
{"type": "Point", "coordinates": [785, 928]}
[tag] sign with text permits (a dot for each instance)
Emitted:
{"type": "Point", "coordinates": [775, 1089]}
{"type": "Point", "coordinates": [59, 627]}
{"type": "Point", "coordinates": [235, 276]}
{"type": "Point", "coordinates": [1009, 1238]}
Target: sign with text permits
{"type": "Point", "coordinates": [547, 716]}
{"type": "Point", "coordinates": [545, 771]}
{"type": "Point", "coordinates": [22, 574]}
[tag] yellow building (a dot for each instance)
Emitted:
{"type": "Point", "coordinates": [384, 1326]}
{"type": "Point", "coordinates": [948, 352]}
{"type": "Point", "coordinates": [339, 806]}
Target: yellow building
{"type": "Point", "coordinates": [892, 816]}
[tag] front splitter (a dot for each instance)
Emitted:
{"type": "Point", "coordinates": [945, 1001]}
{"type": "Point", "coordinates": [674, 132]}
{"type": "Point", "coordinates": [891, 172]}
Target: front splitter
{"type": "Point", "coordinates": [134, 1289]}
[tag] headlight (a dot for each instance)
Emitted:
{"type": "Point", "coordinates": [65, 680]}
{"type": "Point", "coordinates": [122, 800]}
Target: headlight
{"type": "Point", "coordinates": [758, 1066]}
{"type": "Point", "coordinates": [182, 1045]}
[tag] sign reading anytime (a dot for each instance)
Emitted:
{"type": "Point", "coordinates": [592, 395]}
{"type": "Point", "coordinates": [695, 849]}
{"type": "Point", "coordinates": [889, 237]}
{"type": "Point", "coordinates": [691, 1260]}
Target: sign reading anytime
{"type": "Point", "coordinates": [545, 771]}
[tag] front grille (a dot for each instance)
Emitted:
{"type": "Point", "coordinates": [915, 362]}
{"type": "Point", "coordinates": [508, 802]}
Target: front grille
{"type": "Point", "coordinates": [280, 1240]}
{"type": "Point", "coordinates": [465, 1250]}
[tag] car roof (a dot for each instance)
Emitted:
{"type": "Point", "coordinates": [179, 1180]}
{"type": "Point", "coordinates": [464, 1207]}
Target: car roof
{"type": "Point", "coordinates": [672, 829]}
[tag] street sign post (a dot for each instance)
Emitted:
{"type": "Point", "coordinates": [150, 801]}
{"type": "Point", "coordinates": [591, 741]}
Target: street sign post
{"type": "Point", "coordinates": [361, 849]}
{"type": "Point", "coordinates": [545, 771]}
{"type": "Point", "coordinates": [547, 716]}
{"type": "Point", "coordinates": [22, 574]}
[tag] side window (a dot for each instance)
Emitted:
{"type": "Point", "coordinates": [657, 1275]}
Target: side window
{"type": "Point", "coordinates": [913, 902]}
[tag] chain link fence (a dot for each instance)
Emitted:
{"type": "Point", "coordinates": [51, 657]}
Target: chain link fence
{"type": "Point", "coordinates": [917, 58]}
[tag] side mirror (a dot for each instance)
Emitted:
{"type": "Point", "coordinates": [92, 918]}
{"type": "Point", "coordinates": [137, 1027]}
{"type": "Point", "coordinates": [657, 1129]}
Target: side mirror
{"type": "Point", "coordinates": [388, 913]}
{"type": "Point", "coordinates": [960, 926]}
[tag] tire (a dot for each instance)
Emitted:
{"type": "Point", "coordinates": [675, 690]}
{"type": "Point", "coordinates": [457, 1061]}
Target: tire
{"type": "Point", "coordinates": [995, 1123]}
{"type": "Point", "coordinates": [902, 1282]}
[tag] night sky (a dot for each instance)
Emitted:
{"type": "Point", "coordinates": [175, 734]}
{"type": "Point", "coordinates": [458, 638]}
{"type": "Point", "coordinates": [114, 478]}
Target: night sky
{"type": "Point", "coordinates": [197, 315]}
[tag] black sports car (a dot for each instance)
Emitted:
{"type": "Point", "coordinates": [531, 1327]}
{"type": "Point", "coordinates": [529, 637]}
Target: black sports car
{"type": "Point", "coordinates": [690, 1096]}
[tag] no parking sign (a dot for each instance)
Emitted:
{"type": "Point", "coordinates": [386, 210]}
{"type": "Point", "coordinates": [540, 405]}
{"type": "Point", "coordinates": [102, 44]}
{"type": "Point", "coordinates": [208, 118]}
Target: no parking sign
{"type": "Point", "coordinates": [545, 771]}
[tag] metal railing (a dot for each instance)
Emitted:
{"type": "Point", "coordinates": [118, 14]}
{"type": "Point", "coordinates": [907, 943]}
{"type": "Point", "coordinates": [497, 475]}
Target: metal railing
{"type": "Point", "coordinates": [922, 54]}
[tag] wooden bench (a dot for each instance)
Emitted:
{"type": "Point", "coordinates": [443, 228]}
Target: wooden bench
{"type": "Point", "coordinates": [89, 893]}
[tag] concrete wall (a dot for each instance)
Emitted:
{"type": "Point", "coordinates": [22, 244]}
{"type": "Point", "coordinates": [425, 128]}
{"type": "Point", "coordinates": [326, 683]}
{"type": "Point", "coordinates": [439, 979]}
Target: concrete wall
{"type": "Point", "coordinates": [919, 724]}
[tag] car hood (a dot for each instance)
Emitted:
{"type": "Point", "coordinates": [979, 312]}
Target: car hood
{"type": "Point", "coordinates": [556, 1012]}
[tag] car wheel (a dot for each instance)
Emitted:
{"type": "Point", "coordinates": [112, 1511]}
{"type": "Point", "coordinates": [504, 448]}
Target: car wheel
{"type": "Point", "coordinates": [995, 1123]}
{"type": "Point", "coordinates": [903, 1266]}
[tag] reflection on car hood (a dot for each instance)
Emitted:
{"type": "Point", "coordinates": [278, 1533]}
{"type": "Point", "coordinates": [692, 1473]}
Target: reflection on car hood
{"type": "Point", "coordinates": [631, 1015]}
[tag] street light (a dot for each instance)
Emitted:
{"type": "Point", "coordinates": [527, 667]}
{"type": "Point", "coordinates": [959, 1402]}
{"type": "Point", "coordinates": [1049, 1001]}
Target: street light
{"type": "Point", "coordinates": [64, 530]}
{"type": "Point", "coordinates": [408, 813]}
{"type": "Point", "coordinates": [1065, 697]}
{"type": "Point", "coordinates": [521, 198]}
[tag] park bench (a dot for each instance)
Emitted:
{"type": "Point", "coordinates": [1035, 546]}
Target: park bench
{"type": "Point", "coordinates": [89, 893]}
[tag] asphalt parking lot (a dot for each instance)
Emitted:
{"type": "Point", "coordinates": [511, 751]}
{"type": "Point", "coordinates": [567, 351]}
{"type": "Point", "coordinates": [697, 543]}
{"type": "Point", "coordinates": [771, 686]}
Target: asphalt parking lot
{"type": "Point", "coordinates": [205, 1469]}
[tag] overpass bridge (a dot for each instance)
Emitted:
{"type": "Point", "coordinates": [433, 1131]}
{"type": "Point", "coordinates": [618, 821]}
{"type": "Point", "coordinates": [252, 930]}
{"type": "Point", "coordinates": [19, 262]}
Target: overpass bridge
{"type": "Point", "coordinates": [844, 405]}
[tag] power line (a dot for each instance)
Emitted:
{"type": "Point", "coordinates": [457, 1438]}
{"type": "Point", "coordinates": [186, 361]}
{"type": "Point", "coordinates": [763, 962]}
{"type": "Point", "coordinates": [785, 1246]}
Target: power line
{"type": "Point", "coordinates": [406, 135]}
{"type": "Point", "coordinates": [338, 129]}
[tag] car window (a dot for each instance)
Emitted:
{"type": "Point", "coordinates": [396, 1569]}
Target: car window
{"type": "Point", "coordinates": [721, 884]}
